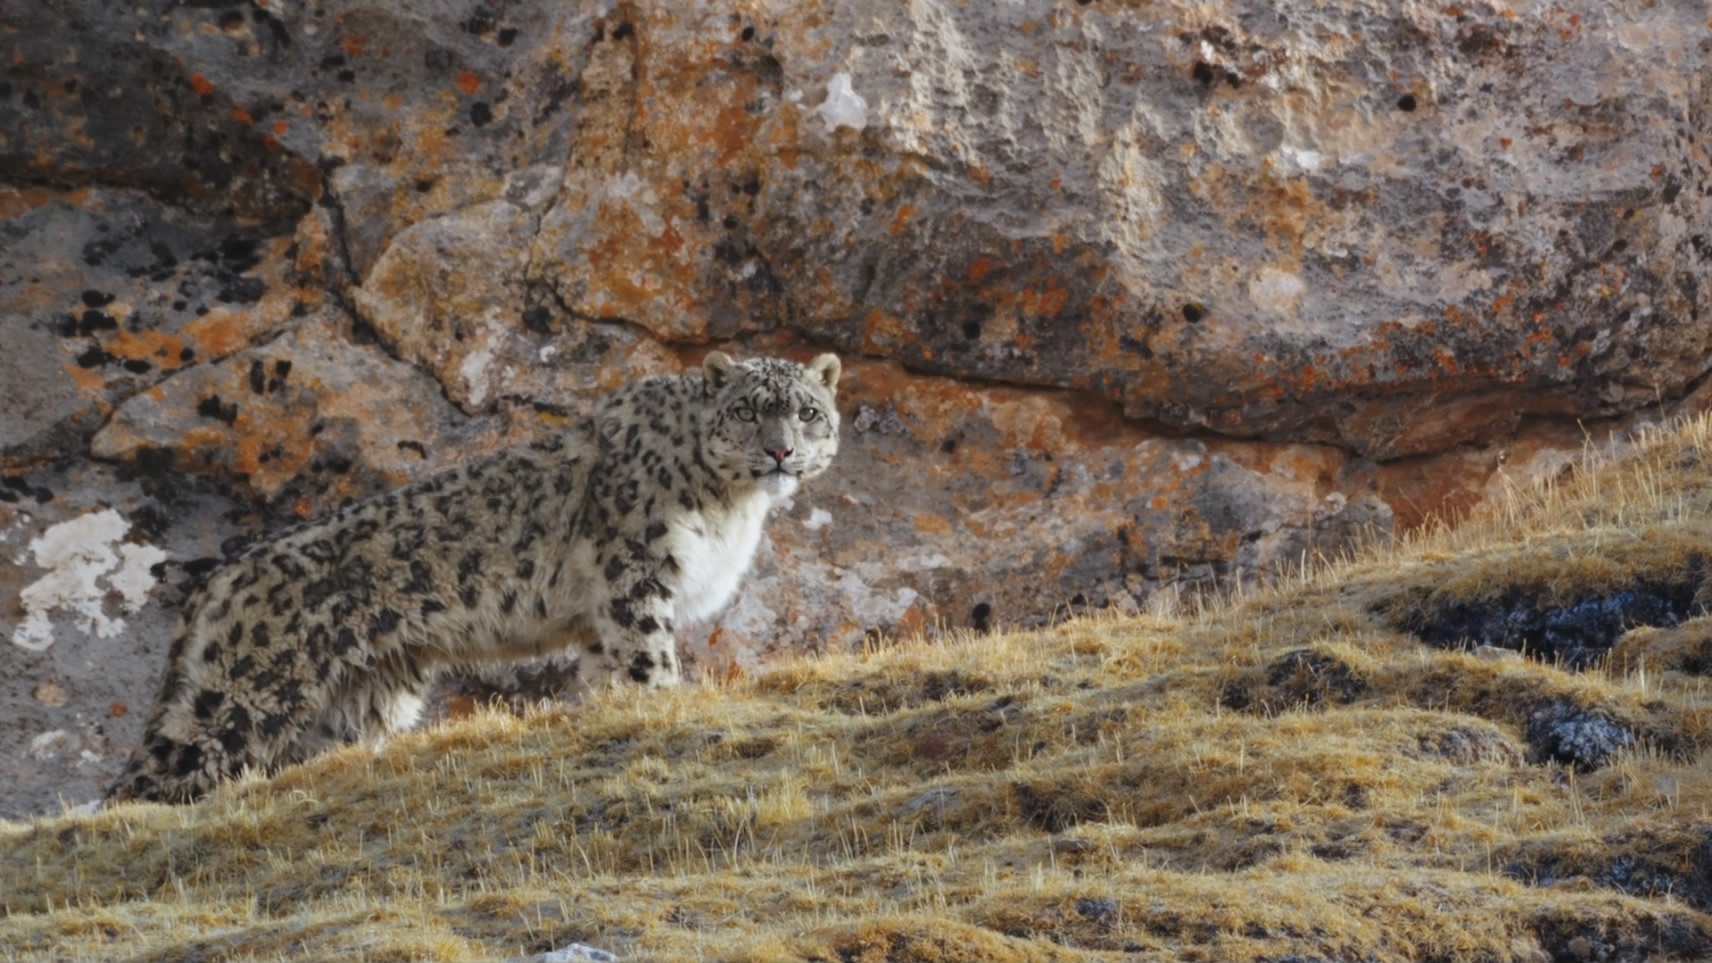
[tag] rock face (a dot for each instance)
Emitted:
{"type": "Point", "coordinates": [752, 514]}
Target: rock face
{"type": "Point", "coordinates": [1132, 297]}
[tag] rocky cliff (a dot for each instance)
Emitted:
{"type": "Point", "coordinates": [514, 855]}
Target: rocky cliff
{"type": "Point", "coordinates": [1134, 297]}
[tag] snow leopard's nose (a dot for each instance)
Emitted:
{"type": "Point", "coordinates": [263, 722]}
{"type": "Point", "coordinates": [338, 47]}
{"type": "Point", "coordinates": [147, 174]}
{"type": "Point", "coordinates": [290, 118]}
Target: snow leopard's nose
{"type": "Point", "coordinates": [779, 454]}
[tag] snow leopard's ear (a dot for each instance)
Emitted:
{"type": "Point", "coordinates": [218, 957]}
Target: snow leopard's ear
{"type": "Point", "coordinates": [826, 369]}
{"type": "Point", "coordinates": [717, 368]}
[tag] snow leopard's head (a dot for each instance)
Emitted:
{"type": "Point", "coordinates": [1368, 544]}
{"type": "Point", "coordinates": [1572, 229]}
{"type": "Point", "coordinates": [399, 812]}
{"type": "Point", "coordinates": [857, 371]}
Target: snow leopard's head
{"type": "Point", "coordinates": [769, 422]}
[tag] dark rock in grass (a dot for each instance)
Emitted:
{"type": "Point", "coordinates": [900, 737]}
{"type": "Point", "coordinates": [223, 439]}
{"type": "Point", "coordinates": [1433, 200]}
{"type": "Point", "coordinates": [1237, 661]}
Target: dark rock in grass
{"type": "Point", "coordinates": [1574, 635]}
{"type": "Point", "coordinates": [1583, 738]}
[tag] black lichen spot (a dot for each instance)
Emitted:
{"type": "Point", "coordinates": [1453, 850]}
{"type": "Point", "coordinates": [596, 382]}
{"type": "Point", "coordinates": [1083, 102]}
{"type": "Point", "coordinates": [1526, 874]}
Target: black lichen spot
{"type": "Point", "coordinates": [481, 114]}
{"type": "Point", "coordinates": [96, 299]}
{"type": "Point", "coordinates": [538, 319]}
{"type": "Point", "coordinates": [347, 75]}
{"type": "Point", "coordinates": [151, 462]}
{"type": "Point", "coordinates": [95, 252]}
{"type": "Point", "coordinates": [241, 290]}
{"type": "Point", "coordinates": [1407, 103]}
{"type": "Point", "coordinates": [625, 29]}
{"type": "Point", "coordinates": [238, 254]}
{"type": "Point", "coordinates": [981, 617]}
{"type": "Point", "coordinates": [1207, 75]}
{"type": "Point", "coordinates": [482, 21]}
{"type": "Point", "coordinates": [1193, 312]}
{"type": "Point", "coordinates": [211, 407]}
{"type": "Point", "coordinates": [93, 321]}
{"type": "Point", "coordinates": [415, 446]}
{"type": "Point", "coordinates": [507, 36]}
{"type": "Point", "coordinates": [94, 357]}
{"type": "Point", "coordinates": [258, 376]}
{"type": "Point", "coordinates": [748, 34]}
{"type": "Point", "coordinates": [138, 366]}
{"type": "Point", "coordinates": [972, 330]}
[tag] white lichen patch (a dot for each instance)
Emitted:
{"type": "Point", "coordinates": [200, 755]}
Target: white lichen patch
{"type": "Point", "coordinates": [1302, 159]}
{"type": "Point", "coordinates": [85, 563]}
{"type": "Point", "coordinates": [1275, 290]}
{"type": "Point", "coordinates": [49, 744]}
{"type": "Point", "coordinates": [866, 605]}
{"type": "Point", "coordinates": [843, 106]}
{"type": "Point", "coordinates": [639, 196]}
{"type": "Point", "coordinates": [477, 367]}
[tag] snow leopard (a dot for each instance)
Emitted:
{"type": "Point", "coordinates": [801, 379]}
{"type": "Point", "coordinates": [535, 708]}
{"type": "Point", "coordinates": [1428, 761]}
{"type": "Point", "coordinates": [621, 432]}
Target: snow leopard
{"type": "Point", "coordinates": [599, 540]}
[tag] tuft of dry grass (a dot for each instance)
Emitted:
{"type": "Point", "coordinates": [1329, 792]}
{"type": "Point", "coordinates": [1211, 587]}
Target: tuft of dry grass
{"type": "Point", "coordinates": [1324, 768]}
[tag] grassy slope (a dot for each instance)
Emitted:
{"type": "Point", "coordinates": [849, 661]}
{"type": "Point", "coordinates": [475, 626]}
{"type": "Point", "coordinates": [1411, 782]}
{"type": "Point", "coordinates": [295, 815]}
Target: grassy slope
{"type": "Point", "coordinates": [1284, 774]}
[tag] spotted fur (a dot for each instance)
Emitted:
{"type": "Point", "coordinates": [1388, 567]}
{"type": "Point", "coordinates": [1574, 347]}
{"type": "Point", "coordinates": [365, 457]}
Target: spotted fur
{"type": "Point", "coordinates": [600, 540]}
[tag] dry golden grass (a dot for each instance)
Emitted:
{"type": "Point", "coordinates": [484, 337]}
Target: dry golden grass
{"type": "Point", "coordinates": [1290, 772]}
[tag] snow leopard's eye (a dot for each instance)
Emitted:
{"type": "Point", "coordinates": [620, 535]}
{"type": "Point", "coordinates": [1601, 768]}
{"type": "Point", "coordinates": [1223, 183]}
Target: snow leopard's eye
{"type": "Point", "coordinates": [809, 414]}
{"type": "Point", "coordinates": [745, 413]}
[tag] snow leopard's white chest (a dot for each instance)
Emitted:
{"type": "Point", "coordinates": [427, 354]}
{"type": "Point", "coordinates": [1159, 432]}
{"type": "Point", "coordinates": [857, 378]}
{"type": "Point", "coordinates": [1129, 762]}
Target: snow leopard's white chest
{"type": "Point", "coordinates": [713, 551]}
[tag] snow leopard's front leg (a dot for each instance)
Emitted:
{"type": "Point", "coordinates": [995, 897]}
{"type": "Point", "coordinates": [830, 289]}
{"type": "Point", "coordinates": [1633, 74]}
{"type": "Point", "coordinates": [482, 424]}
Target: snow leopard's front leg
{"type": "Point", "coordinates": [633, 619]}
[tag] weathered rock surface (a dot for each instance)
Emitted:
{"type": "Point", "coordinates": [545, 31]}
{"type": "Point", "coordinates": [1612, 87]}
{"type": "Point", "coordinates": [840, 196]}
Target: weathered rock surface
{"type": "Point", "coordinates": [71, 705]}
{"type": "Point", "coordinates": [1133, 297]}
